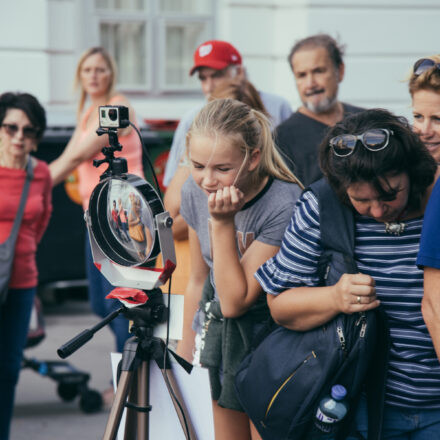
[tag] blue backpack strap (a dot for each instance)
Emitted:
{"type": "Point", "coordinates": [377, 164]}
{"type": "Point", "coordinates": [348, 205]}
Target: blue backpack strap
{"type": "Point", "coordinates": [337, 228]}
{"type": "Point", "coordinates": [336, 222]}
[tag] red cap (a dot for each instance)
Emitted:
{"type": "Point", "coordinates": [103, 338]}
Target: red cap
{"type": "Point", "coordinates": [215, 54]}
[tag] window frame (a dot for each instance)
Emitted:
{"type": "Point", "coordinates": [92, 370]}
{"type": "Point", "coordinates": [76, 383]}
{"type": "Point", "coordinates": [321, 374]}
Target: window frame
{"type": "Point", "coordinates": [155, 41]}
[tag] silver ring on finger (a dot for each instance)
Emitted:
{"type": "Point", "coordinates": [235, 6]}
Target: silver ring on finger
{"type": "Point", "coordinates": [358, 300]}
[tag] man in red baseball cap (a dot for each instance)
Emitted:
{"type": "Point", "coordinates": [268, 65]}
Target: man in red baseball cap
{"type": "Point", "coordinates": [217, 62]}
{"type": "Point", "coordinates": [215, 54]}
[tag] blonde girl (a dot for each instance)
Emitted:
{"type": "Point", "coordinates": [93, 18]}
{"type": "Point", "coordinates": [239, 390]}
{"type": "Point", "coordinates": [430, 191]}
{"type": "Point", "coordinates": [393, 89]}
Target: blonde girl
{"type": "Point", "coordinates": [237, 203]}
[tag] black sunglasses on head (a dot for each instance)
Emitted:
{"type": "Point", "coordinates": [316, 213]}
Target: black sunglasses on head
{"type": "Point", "coordinates": [374, 140]}
{"type": "Point", "coordinates": [28, 132]}
{"type": "Point", "coordinates": [423, 65]}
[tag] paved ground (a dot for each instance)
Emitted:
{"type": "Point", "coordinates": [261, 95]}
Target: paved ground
{"type": "Point", "coordinates": [39, 413]}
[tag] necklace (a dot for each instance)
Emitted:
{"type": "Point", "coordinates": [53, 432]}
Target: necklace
{"type": "Point", "coordinates": [395, 228]}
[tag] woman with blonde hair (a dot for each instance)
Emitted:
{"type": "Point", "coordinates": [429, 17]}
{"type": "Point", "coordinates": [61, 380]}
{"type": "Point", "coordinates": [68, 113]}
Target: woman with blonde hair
{"type": "Point", "coordinates": [237, 203]}
{"type": "Point", "coordinates": [424, 88]}
{"type": "Point", "coordinates": [96, 78]}
{"type": "Point", "coordinates": [241, 90]}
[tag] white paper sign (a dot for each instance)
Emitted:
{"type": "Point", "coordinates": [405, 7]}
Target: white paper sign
{"type": "Point", "coordinates": [176, 318]}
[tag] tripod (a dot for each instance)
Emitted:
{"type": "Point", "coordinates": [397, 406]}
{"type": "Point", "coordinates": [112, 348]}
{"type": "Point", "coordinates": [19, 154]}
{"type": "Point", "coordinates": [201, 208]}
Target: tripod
{"type": "Point", "coordinates": [136, 358]}
{"type": "Point", "coordinates": [133, 384]}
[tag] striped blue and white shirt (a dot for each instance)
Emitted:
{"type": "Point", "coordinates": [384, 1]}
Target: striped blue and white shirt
{"type": "Point", "coordinates": [414, 370]}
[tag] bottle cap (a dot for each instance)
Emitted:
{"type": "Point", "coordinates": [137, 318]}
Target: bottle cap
{"type": "Point", "coordinates": [338, 392]}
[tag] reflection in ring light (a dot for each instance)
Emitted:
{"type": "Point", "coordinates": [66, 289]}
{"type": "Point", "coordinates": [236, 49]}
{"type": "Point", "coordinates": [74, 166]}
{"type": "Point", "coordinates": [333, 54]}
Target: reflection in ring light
{"type": "Point", "coordinates": [122, 216]}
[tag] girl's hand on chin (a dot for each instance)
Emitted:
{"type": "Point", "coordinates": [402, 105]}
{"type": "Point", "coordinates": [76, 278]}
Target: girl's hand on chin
{"type": "Point", "coordinates": [225, 203]}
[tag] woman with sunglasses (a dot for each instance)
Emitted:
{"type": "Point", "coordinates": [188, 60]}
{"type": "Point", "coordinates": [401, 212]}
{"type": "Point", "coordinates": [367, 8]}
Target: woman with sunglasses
{"type": "Point", "coordinates": [424, 88]}
{"type": "Point", "coordinates": [22, 124]}
{"type": "Point", "coordinates": [377, 166]}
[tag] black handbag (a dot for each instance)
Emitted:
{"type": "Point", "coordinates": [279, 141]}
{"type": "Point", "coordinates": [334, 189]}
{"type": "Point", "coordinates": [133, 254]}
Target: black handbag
{"type": "Point", "coordinates": [7, 248]}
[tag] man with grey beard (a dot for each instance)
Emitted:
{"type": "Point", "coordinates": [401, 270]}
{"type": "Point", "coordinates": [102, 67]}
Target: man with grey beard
{"type": "Point", "coordinates": [318, 69]}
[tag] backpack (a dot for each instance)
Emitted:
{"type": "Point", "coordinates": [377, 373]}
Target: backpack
{"type": "Point", "coordinates": [281, 382]}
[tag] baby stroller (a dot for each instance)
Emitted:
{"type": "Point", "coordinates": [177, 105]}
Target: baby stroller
{"type": "Point", "coordinates": [71, 382]}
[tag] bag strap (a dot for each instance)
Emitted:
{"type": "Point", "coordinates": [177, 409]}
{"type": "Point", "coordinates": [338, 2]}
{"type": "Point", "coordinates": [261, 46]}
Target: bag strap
{"type": "Point", "coordinates": [336, 223]}
{"type": "Point", "coordinates": [337, 228]}
{"type": "Point", "coordinates": [24, 194]}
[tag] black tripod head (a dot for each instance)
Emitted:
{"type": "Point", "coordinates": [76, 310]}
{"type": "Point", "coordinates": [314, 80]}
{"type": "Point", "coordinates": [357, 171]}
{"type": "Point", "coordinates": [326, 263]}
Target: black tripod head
{"type": "Point", "coordinates": [145, 317]}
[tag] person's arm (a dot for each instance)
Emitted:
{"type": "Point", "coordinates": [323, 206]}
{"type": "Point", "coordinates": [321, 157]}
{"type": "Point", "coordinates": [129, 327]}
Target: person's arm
{"type": "Point", "coordinates": [132, 219]}
{"type": "Point", "coordinates": [47, 209]}
{"type": "Point", "coordinates": [172, 200]}
{"type": "Point", "coordinates": [149, 239]}
{"type": "Point", "coordinates": [289, 278]}
{"type": "Point", "coordinates": [193, 295]}
{"type": "Point", "coordinates": [431, 305]}
{"type": "Point", "coordinates": [304, 308]}
{"type": "Point", "coordinates": [235, 284]}
{"type": "Point", "coordinates": [178, 144]}
{"type": "Point", "coordinates": [77, 151]}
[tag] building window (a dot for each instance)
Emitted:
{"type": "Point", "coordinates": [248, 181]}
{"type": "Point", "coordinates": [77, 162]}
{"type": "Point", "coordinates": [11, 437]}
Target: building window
{"type": "Point", "coordinates": [153, 40]}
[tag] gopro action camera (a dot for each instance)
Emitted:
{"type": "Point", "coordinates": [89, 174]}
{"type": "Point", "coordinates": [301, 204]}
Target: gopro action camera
{"type": "Point", "coordinates": [113, 116]}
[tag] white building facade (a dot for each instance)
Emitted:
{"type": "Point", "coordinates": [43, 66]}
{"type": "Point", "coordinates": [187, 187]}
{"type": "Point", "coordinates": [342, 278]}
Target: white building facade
{"type": "Point", "coordinates": [153, 42]}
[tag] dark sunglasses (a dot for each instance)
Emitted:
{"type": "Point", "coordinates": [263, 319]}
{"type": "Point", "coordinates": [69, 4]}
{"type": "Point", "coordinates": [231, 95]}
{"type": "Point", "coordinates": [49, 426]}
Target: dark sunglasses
{"type": "Point", "coordinates": [424, 64]}
{"type": "Point", "coordinates": [28, 132]}
{"type": "Point", "coordinates": [375, 139]}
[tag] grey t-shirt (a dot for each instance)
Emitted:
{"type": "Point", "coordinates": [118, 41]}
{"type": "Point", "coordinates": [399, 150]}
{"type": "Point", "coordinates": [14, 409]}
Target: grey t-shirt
{"type": "Point", "coordinates": [264, 218]}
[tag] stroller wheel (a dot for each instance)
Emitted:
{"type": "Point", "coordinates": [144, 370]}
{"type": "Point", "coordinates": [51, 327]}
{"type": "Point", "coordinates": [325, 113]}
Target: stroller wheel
{"type": "Point", "coordinates": [67, 391]}
{"type": "Point", "coordinates": [90, 401]}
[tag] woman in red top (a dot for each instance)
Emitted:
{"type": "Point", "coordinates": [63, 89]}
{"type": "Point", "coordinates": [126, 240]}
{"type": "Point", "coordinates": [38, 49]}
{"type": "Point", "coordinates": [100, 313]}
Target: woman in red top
{"type": "Point", "coordinates": [22, 123]}
{"type": "Point", "coordinates": [96, 80]}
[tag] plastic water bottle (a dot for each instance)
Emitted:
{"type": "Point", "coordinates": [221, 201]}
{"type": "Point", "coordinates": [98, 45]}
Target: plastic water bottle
{"type": "Point", "coordinates": [331, 410]}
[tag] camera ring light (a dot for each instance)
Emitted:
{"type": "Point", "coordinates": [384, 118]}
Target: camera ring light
{"type": "Point", "coordinates": [137, 199]}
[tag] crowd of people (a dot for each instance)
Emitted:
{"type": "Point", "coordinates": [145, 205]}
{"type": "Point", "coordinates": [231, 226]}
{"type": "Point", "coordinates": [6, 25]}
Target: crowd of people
{"type": "Point", "coordinates": [248, 227]}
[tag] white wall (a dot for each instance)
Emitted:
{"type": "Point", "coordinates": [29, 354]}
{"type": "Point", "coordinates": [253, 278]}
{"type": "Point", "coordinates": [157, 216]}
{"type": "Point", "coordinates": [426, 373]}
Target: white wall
{"type": "Point", "coordinates": [383, 39]}
{"type": "Point", "coordinates": [40, 41]}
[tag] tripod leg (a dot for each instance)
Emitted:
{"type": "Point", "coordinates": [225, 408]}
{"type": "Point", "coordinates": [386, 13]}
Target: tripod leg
{"type": "Point", "coordinates": [114, 419]}
{"type": "Point", "coordinates": [143, 389]}
{"type": "Point", "coordinates": [181, 411]}
{"type": "Point", "coordinates": [131, 415]}
{"type": "Point", "coordinates": [137, 422]}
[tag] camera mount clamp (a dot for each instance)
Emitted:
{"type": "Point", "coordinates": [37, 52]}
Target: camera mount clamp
{"type": "Point", "coordinates": [117, 166]}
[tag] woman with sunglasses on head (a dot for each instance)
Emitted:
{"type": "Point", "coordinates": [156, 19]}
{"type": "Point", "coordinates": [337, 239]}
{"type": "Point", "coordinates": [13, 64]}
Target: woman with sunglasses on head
{"type": "Point", "coordinates": [378, 167]}
{"type": "Point", "coordinates": [424, 88]}
{"type": "Point", "coordinates": [96, 80]}
{"type": "Point", "coordinates": [22, 124]}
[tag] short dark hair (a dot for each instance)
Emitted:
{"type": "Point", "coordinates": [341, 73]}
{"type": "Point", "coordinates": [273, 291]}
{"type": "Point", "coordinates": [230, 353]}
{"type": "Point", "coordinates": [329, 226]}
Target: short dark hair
{"type": "Point", "coordinates": [29, 105]}
{"type": "Point", "coordinates": [333, 48]}
{"type": "Point", "coordinates": [405, 153]}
